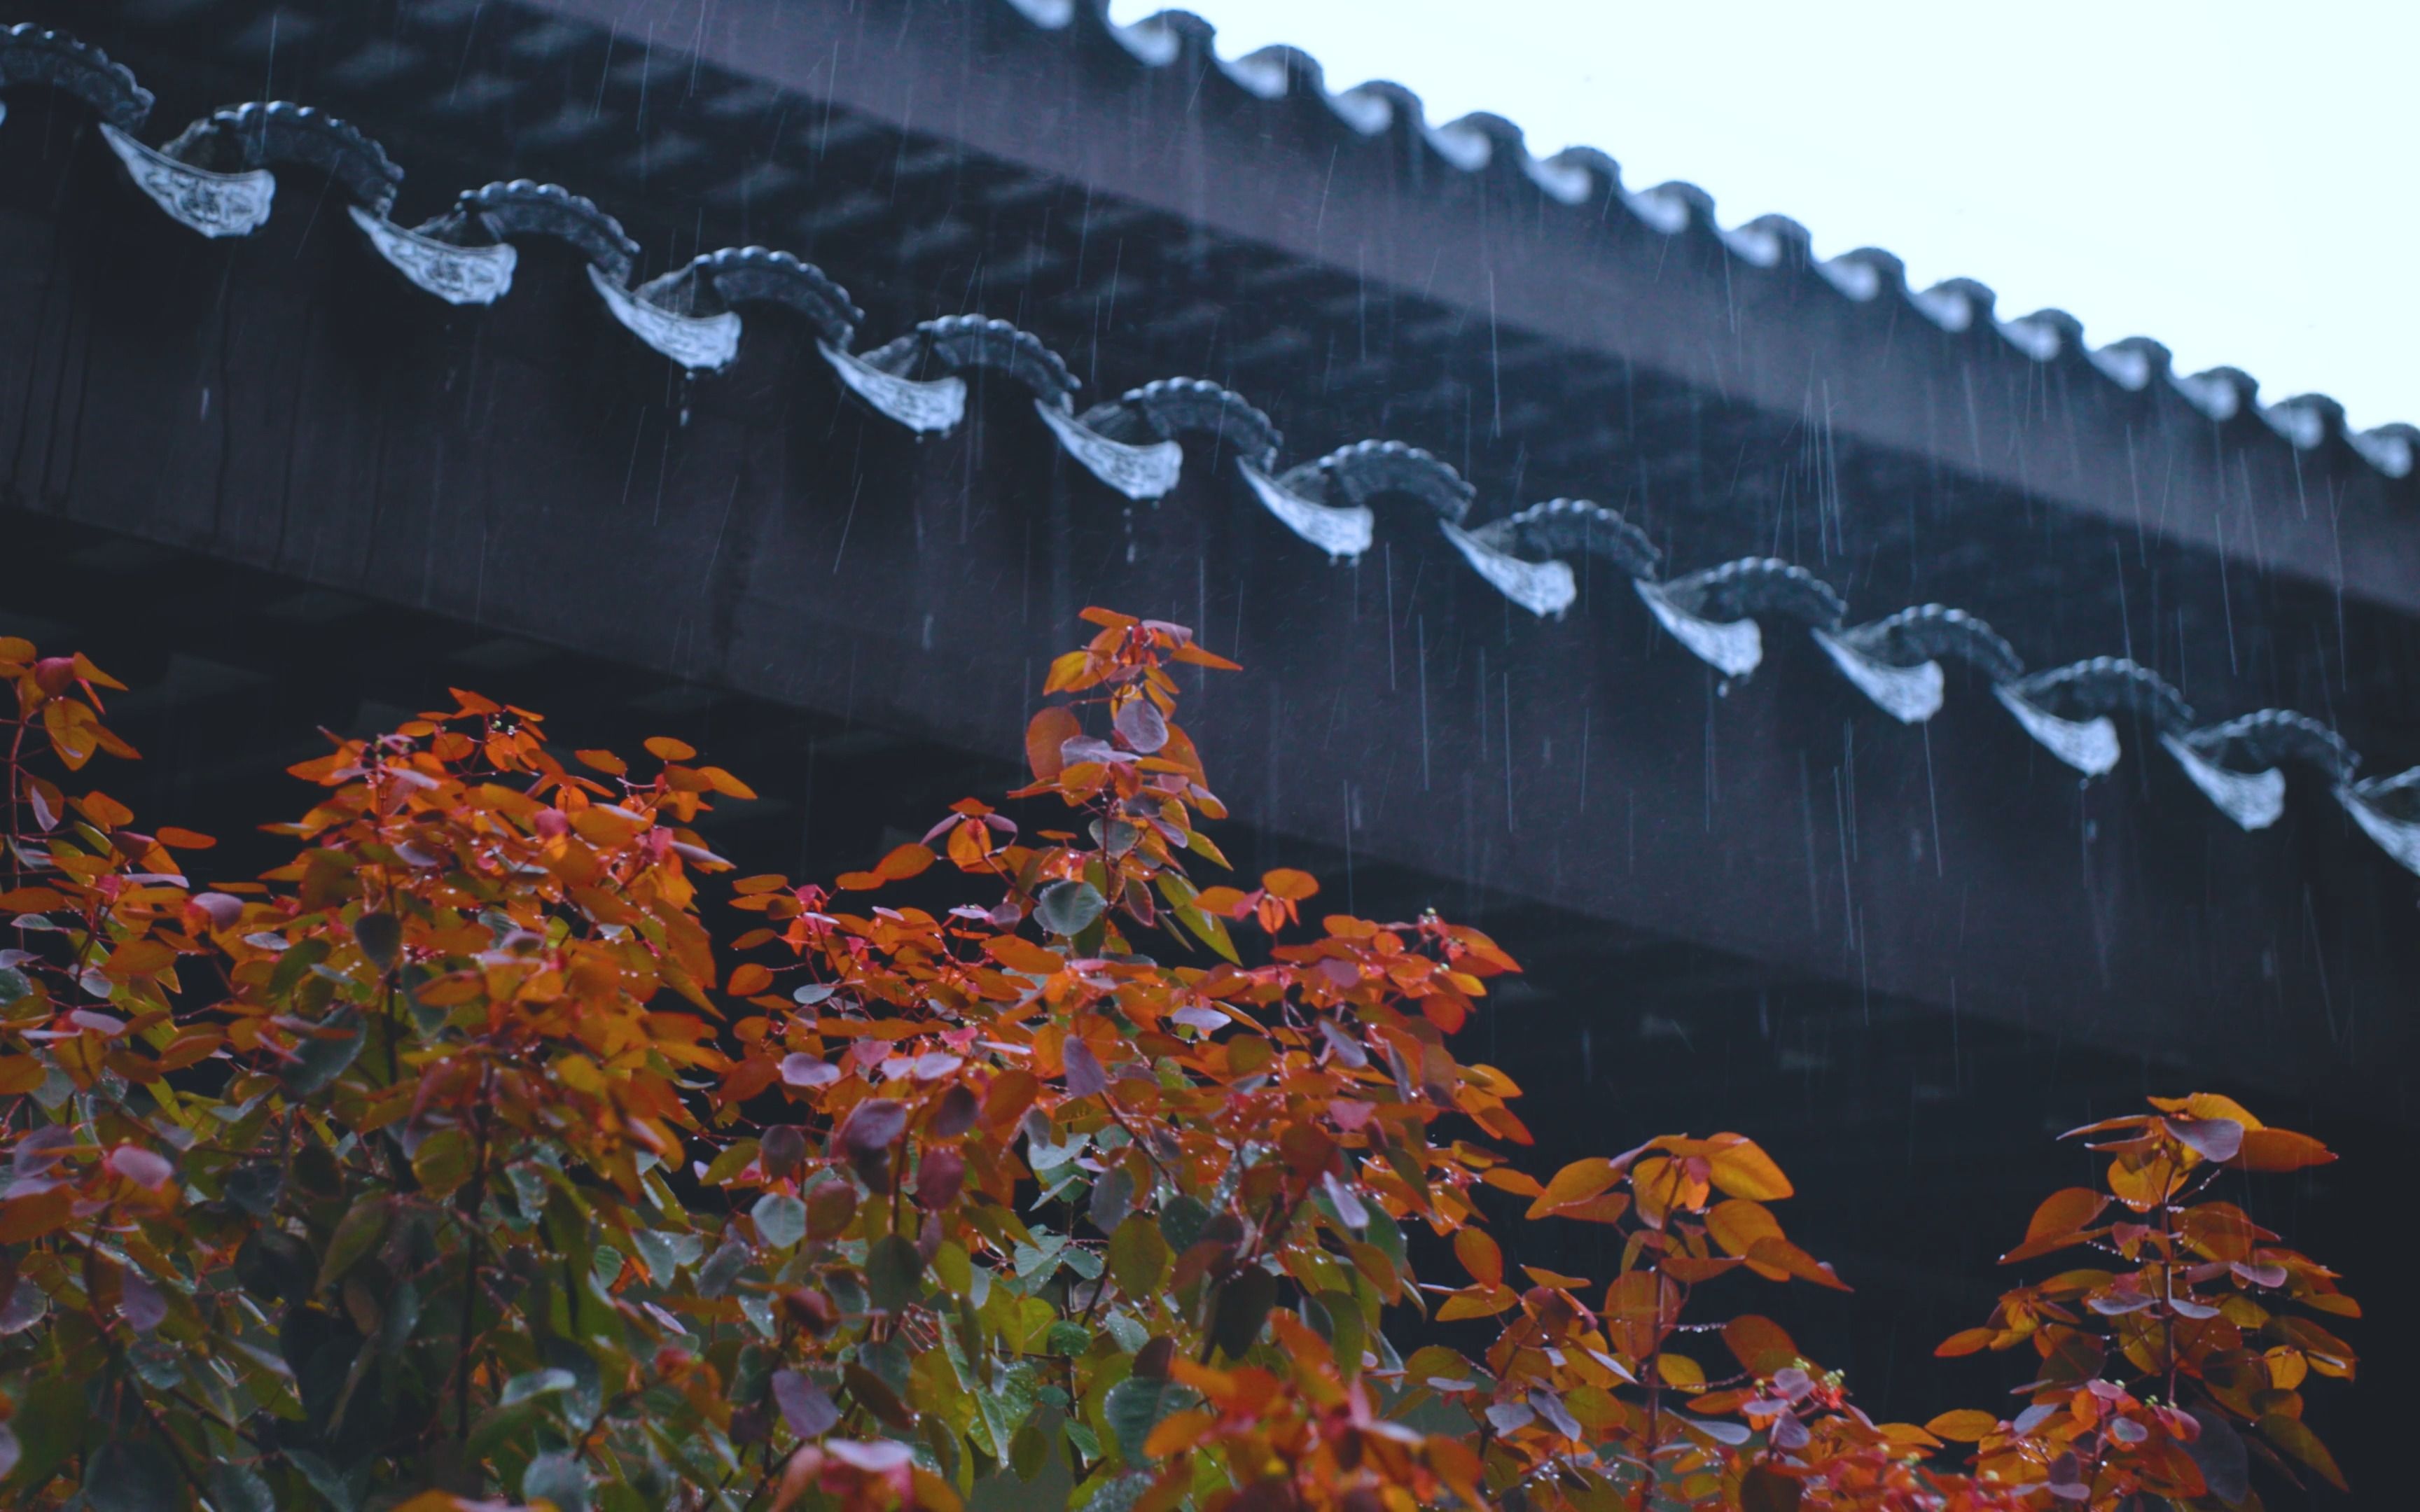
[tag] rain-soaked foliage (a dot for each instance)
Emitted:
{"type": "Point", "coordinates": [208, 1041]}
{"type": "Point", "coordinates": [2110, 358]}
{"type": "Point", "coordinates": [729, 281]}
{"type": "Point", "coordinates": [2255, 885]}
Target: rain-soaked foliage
{"type": "Point", "coordinates": [447, 1168]}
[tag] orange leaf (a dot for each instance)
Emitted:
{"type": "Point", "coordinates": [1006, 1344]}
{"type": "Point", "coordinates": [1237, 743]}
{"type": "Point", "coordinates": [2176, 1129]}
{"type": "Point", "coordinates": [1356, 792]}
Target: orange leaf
{"type": "Point", "coordinates": [1744, 1170]}
{"type": "Point", "coordinates": [1476, 1301]}
{"type": "Point", "coordinates": [1222, 902]}
{"type": "Point", "coordinates": [749, 979]}
{"type": "Point", "coordinates": [1736, 1224]}
{"type": "Point", "coordinates": [1760, 1344]}
{"type": "Point", "coordinates": [1019, 954]}
{"type": "Point", "coordinates": [1478, 1256]}
{"type": "Point", "coordinates": [1050, 730]}
{"type": "Point", "coordinates": [1107, 619]}
{"type": "Point", "coordinates": [602, 761]}
{"type": "Point", "coordinates": [1783, 1256]}
{"type": "Point", "coordinates": [1505, 1179]}
{"type": "Point", "coordinates": [1178, 1431]}
{"type": "Point", "coordinates": [1576, 1182]}
{"type": "Point", "coordinates": [1555, 1278]}
{"type": "Point", "coordinates": [664, 747]}
{"type": "Point", "coordinates": [2056, 1223]}
{"type": "Point", "coordinates": [1965, 1426]}
{"type": "Point", "coordinates": [1193, 655]}
{"type": "Point", "coordinates": [184, 839]}
{"type": "Point", "coordinates": [904, 861]}
{"type": "Point", "coordinates": [1289, 883]}
{"type": "Point", "coordinates": [2207, 1105]}
{"type": "Point", "coordinates": [2279, 1149]}
{"type": "Point", "coordinates": [35, 1214]}
{"type": "Point", "coordinates": [726, 784]}
{"type": "Point", "coordinates": [1605, 1207]}
{"type": "Point", "coordinates": [1966, 1342]}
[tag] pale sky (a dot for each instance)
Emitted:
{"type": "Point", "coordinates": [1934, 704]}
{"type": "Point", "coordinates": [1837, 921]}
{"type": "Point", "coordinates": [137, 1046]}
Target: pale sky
{"type": "Point", "coordinates": [2234, 180]}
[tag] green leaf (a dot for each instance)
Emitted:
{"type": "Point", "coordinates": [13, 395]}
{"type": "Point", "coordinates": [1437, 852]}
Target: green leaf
{"type": "Point", "coordinates": [51, 1423]}
{"type": "Point", "coordinates": [954, 1269]}
{"type": "Point", "coordinates": [1113, 1200]}
{"type": "Point", "coordinates": [274, 1266]}
{"type": "Point", "coordinates": [500, 1426]}
{"type": "Point", "coordinates": [1068, 1336]}
{"type": "Point", "coordinates": [236, 1489]}
{"type": "Point", "coordinates": [781, 1219]}
{"type": "Point", "coordinates": [733, 1160]}
{"type": "Point", "coordinates": [1239, 1309]}
{"type": "Point", "coordinates": [380, 937]}
{"type": "Point", "coordinates": [1069, 907]}
{"type": "Point", "coordinates": [1135, 1406]}
{"type": "Point", "coordinates": [1120, 1493]}
{"type": "Point", "coordinates": [443, 1163]}
{"type": "Point", "coordinates": [556, 1478]}
{"type": "Point", "coordinates": [1345, 1330]}
{"type": "Point", "coordinates": [1182, 1218]}
{"type": "Point", "coordinates": [1029, 1450]}
{"type": "Point", "coordinates": [343, 1490]}
{"type": "Point", "coordinates": [133, 1476]}
{"type": "Point", "coordinates": [14, 986]}
{"type": "Point", "coordinates": [894, 1273]}
{"type": "Point", "coordinates": [1003, 1406]}
{"type": "Point", "coordinates": [318, 1061]}
{"type": "Point", "coordinates": [1210, 929]}
{"type": "Point", "coordinates": [356, 1235]}
{"type": "Point", "coordinates": [722, 1267]}
{"type": "Point", "coordinates": [666, 1254]}
{"type": "Point", "coordinates": [530, 1384]}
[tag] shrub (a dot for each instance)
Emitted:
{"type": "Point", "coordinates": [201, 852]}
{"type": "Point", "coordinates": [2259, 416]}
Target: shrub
{"type": "Point", "coordinates": [445, 1164]}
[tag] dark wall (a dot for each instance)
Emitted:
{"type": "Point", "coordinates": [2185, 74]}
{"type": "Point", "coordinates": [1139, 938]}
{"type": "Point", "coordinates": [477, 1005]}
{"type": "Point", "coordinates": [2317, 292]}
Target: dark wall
{"type": "Point", "coordinates": [286, 403]}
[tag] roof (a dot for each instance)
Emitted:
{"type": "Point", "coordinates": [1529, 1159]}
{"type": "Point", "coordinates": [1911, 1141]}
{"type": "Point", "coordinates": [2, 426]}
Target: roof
{"type": "Point", "coordinates": [218, 177]}
{"type": "Point", "coordinates": [1482, 143]}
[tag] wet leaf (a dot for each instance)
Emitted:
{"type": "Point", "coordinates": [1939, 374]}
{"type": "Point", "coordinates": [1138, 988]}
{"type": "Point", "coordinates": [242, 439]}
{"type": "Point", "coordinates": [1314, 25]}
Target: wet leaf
{"type": "Point", "coordinates": [781, 1219]}
{"type": "Point", "coordinates": [1239, 1309]}
{"type": "Point", "coordinates": [1069, 908]}
{"type": "Point", "coordinates": [557, 1477]}
{"type": "Point", "coordinates": [806, 1408]}
{"type": "Point", "coordinates": [357, 1233]}
{"type": "Point", "coordinates": [1141, 725]}
{"type": "Point", "coordinates": [894, 1273]}
{"type": "Point", "coordinates": [380, 937]}
{"type": "Point", "coordinates": [2288, 1433]}
{"type": "Point", "coordinates": [1139, 1257]}
{"type": "Point", "coordinates": [133, 1476]}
